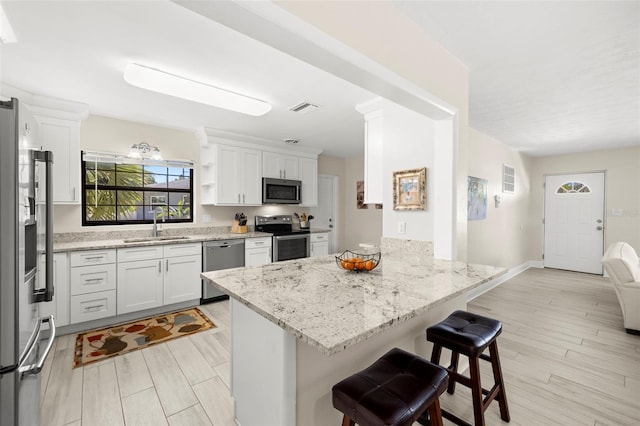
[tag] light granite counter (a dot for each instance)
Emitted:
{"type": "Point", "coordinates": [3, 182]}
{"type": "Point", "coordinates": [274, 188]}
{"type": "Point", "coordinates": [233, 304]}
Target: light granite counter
{"type": "Point", "coordinates": [331, 309]}
{"type": "Point", "coordinates": [300, 326]}
{"type": "Point", "coordinates": [78, 241]}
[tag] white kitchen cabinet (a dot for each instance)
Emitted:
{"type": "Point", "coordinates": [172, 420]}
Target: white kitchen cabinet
{"type": "Point", "coordinates": [139, 285]}
{"type": "Point", "coordinates": [183, 264]}
{"type": "Point", "coordinates": [62, 137]}
{"type": "Point", "coordinates": [92, 285]}
{"type": "Point", "coordinates": [154, 276]}
{"type": "Point", "coordinates": [231, 176]}
{"type": "Point", "coordinates": [59, 306]}
{"type": "Point", "coordinates": [257, 251]}
{"type": "Point", "coordinates": [280, 166]}
{"type": "Point", "coordinates": [309, 178]}
{"type": "Point", "coordinates": [93, 306]}
{"type": "Point", "coordinates": [319, 244]}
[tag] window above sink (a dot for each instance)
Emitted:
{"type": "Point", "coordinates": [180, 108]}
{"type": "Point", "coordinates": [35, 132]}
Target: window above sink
{"type": "Point", "coordinates": [117, 190]}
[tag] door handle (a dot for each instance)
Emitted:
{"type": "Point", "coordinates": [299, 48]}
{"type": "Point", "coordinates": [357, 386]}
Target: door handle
{"type": "Point", "coordinates": [37, 367]}
{"type": "Point", "coordinates": [599, 228]}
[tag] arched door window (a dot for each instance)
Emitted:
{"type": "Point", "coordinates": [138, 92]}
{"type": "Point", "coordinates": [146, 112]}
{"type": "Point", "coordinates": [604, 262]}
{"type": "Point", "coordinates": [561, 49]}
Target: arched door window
{"type": "Point", "coordinates": [572, 188]}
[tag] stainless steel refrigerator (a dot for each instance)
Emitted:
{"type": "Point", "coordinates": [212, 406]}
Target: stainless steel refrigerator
{"type": "Point", "coordinates": [26, 231]}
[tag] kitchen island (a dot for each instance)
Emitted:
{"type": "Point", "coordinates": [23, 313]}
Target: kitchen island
{"type": "Point", "coordinates": [300, 326]}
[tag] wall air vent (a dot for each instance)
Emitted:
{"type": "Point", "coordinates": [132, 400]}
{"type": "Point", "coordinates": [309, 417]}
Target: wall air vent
{"type": "Point", "coordinates": [291, 141]}
{"type": "Point", "coordinates": [304, 107]}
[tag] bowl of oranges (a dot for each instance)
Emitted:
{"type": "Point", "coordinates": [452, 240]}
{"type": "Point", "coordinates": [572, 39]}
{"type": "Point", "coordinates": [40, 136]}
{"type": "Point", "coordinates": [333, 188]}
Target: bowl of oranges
{"type": "Point", "coordinates": [358, 262]}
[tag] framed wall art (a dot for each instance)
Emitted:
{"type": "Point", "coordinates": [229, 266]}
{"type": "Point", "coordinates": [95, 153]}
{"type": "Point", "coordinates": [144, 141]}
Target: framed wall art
{"type": "Point", "coordinates": [476, 198]}
{"type": "Point", "coordinates": [410, 189]}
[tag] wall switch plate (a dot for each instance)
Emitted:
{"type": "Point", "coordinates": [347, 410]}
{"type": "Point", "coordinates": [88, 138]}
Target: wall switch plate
{"type": "Point", "coordinates": [402, 227]}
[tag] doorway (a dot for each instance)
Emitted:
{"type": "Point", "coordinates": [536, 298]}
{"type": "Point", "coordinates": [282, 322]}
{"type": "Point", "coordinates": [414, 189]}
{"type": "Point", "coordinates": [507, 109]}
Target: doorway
{"type": "Point", "coordinates": [325, 214]}
{"type": "Point", "coordinates": [574, 222]}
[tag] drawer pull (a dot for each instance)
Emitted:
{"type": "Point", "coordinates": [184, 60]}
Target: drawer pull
{"type": "Point", "coordinates": [94, 258]}
{"type": "Point", "coordinates": [93, 307]}
{"type": "Point", "coordinates": [93, 280]}
{"type": "Point", "coordinates": [259, 243]}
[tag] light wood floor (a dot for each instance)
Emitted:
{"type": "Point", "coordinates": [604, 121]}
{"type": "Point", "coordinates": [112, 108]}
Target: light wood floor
{"type": "Point", "coordinates": [565, 357]}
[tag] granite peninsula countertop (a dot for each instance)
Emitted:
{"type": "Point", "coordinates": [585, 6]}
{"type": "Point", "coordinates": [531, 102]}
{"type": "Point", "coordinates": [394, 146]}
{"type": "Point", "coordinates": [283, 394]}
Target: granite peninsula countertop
{"type": "Point", "coordinates": [331, 309]}
{"type": "Point", "coordinates": [79, 241]}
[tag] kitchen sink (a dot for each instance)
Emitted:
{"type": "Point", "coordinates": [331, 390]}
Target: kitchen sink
{"type": "Point", "coordinates": [148, 239]}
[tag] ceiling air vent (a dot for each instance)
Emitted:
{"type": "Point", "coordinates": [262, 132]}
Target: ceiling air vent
{"type": "Point", "coordinates": [303, 107]}
{"type": "Point", "coordinates": [291, 141]}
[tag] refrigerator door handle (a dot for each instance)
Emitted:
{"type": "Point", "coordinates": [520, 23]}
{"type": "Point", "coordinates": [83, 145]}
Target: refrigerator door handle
{"type": "Point", "coordinates": [47, 295]}
{"type": "Point", "coordinates": [37, 367]}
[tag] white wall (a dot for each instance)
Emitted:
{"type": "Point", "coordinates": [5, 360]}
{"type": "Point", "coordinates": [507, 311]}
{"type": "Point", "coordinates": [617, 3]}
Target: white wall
{"type": "Point", "coordinates": [407, 144]}
{"type": "Point", "coordinates": [502, 239]}
{"type": "Point", "coordinates": [361, 225]}
{"type": "Point", "coordinates": [622, 167]}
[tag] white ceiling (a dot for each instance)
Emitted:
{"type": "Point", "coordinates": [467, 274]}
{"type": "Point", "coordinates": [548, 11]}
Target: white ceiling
{"type": "Point", "coordinates": [545, 77]}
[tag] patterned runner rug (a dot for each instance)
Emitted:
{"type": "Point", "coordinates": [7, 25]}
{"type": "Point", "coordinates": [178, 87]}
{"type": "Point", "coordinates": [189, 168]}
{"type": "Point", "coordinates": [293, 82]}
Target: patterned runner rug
{"type": "Point", "coordinates": [96, 345]}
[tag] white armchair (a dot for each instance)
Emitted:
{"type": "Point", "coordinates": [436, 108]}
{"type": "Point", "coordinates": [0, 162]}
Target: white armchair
{"type": "Point", "coordinates": [623, 266]}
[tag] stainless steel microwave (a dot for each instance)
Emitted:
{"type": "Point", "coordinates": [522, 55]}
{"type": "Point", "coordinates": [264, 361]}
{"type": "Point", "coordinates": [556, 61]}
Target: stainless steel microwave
{"type": "Point", "coordinates": [281, 191]}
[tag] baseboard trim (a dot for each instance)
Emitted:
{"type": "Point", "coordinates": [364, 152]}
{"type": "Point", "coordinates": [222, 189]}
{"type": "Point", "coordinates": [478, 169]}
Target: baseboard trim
{"type": "Point", "coordinates": [499, 280]}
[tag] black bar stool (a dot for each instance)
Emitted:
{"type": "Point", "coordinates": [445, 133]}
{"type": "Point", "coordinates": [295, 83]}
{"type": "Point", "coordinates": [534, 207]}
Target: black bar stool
{"type": "Point", "coordinates": [470, 334]}
{"type": "Point", "coordinates": [395, 390]}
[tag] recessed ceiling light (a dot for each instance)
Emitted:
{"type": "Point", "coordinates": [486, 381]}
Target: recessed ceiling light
{"type": "Point", "coordinates": [304, 107]}
{"type": "Point", "coordinates": [181, 87]}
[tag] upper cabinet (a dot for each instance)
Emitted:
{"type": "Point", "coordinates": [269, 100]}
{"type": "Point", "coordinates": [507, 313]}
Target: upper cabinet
{"type": "Point", "coordinates": [59, 132]}
{"type": "Point", "coordinates": [280, 166]}
{"type": "Point", "coordinates": [231, 175]}
{"type": "Point", "coordinates": [233, 166]}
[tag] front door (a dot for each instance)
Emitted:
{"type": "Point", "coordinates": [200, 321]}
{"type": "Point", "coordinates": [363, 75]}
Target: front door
{"type": "Point", "coordinates": [574, 222]}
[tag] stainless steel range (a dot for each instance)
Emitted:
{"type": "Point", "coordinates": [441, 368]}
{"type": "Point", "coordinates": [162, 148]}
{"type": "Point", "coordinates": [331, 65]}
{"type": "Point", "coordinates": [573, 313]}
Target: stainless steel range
{"type": "Point", "coordinates": [288, 243]}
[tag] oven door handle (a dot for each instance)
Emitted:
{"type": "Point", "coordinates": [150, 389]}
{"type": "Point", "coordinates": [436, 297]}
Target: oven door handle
{"type": "Point", "coordinates": [292, 237]}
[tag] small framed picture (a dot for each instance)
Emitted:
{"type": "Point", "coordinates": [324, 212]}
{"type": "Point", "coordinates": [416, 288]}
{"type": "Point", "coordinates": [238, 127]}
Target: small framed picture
{"type": "Point", "coordinates": [410, 189]}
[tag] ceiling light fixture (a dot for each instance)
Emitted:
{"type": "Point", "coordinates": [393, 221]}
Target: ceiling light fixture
{"type": "Point", "coordinates": [180, 87]}
{"type": "Point", "coordinates": [145, 150]}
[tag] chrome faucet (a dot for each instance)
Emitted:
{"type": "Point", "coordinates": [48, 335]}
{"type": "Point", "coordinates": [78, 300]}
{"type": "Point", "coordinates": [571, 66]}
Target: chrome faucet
{"type": "Point", "coordinates": [155, 223]}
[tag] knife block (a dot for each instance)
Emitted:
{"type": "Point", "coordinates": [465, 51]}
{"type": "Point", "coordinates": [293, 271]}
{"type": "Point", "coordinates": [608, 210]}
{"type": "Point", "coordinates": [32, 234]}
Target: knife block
{"type": "Point", "coordinates": [236, 228]}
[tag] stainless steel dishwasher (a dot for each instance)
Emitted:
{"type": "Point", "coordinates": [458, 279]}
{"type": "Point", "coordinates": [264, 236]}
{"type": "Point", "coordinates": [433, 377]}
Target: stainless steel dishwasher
{"type": "Point", "coordinates": [217, 255]}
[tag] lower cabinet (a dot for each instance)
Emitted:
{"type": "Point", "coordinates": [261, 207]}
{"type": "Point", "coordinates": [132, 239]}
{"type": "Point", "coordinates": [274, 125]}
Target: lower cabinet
{"type": "Point", "coordinates": [182, 279]}
{"type": "Point", "coordinates": [95, 284]}
{"type": "Point", "coordinates": [319, 244]}
{"type": "Point", "coordinates": [92, 306]}
{"type": "Point", "coordinates": [257, 251]}
{"type": "Point", "coordinates": [92, 285]}
{"type": "Point", "coordinates": [59, 306]}
{"type": "Point", "coordinates": [149, 277]}
{"type": "Point", "coordinates": [139, 285]}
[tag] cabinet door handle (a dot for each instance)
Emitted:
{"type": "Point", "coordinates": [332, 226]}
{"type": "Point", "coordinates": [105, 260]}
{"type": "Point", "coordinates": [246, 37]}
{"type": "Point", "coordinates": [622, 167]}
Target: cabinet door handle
{"type": "Point", "coordinates": [238, 198]}
{"type": "Point", "coordinates": [159, 265]}
{"type": "Point", "coordinates": [242, 198]}
{"type": "Point", "coordinates": [284, 173]}
{"type": "Point", "coordinates": [167, 268]}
